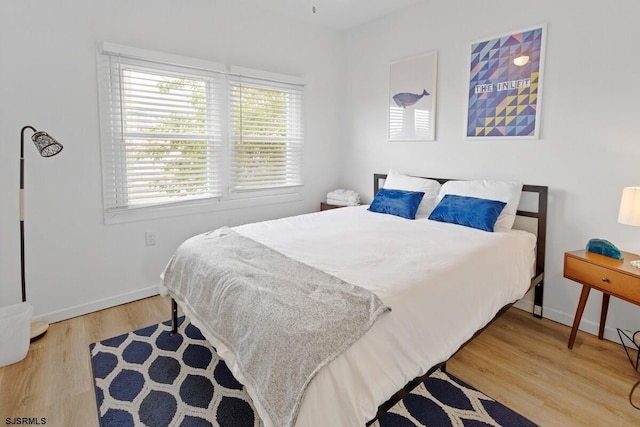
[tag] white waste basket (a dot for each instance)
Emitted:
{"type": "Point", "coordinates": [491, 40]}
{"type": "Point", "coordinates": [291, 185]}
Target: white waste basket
{"type": "Point", "coordinates": [15, 332]}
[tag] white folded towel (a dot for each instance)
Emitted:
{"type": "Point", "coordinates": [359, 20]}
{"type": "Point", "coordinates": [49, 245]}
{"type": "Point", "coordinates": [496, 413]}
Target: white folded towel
{"type": "Point", "coordinates": [348, 197]}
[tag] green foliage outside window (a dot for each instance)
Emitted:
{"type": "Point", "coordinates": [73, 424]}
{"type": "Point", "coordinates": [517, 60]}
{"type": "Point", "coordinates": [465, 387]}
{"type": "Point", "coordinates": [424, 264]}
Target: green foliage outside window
{"type": "Point", "coordinates": [259, 125]}
{"type": "Point", "coordinates": [169, 144]}
{"type": "Point", "coordinates": [174, 109]}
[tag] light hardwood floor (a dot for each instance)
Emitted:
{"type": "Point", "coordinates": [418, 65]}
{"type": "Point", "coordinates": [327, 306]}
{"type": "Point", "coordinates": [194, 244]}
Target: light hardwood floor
{"type": "Point", "coordinates": [520, 361]}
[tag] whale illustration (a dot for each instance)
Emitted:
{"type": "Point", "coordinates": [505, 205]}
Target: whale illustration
{"type": "Point", "coordinates": [405, 100]}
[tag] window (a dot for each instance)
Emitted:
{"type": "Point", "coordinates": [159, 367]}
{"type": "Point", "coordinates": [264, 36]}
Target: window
{"type": "Point", "coordinates": [266, 134]}
{"type": "Point", "coordinates": [179, 131]}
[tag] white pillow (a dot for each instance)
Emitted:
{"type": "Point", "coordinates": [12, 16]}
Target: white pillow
{"type": "Point", "coordinates": [504, 191]}
{"type": "Point", "coordinates": [430, 187]}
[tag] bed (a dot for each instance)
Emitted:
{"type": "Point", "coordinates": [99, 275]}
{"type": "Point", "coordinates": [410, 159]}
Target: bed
{"type": "Point", "coordinates": [440, 282]}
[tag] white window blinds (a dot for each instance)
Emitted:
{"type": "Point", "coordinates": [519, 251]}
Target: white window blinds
{"type": "Point", "coordinates": [266, 133]}
{"type": "Point", "coordinates": [177, 129]}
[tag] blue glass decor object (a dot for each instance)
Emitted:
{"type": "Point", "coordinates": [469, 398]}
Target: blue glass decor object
{"type": "Point", "coordinates": [604, 247]}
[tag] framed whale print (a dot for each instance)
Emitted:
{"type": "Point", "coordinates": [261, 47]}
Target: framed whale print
{"type": "Point", "coordinates": [412, 98]}
{"type": "Point", "coordinates": [505, 86]}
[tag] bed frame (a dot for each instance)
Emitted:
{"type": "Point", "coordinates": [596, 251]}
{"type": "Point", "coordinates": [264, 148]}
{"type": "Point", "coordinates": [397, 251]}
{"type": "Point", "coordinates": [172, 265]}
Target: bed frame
{"type": "Point", "coordinates": [540, 215]}
{"type": "Point", "coordinates": [537, 282]}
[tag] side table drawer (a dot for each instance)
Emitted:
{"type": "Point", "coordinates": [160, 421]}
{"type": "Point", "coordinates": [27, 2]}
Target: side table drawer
{"type": "Point", "coordinates": [604, 279]}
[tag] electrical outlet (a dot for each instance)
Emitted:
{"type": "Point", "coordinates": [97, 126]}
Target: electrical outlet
{"type": "Point", "coordinates": [150, 238]}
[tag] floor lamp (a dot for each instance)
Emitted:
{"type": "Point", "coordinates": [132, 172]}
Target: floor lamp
{"type": "Point", "coordinates": [47, 147]}
{"type": "Point", "coordinates": [629, 212]}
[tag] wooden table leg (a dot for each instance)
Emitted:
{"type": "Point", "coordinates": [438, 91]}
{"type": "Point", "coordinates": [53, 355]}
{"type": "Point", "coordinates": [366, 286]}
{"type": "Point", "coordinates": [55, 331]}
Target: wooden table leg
{"type": "Point", "coordinates": [603, 314]}
{"type": "Point", "coordinates": [576, 320]}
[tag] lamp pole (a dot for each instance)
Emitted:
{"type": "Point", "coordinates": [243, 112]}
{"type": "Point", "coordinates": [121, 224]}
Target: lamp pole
{"type": "Point", "coordinates": [47, 147]}
{"type": "Point", "coordinates": [22, 270]}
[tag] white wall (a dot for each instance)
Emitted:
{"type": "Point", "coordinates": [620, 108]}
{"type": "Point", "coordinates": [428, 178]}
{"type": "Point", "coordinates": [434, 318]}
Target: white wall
{"type": "Point", "coordinates": [589, 147]}
{"type": "Point", "coordinates": [587, 152]}
{"type": "Point", "coordinates": [75, 263]}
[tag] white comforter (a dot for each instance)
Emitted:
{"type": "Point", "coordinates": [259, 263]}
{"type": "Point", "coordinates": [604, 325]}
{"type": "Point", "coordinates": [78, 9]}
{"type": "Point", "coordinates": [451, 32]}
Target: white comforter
{"type": "Point", "coordinates": [443, 282]}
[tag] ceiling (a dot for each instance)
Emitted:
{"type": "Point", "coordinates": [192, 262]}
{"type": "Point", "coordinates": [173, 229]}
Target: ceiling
{"type": "Point", "coordinates": [337, 14]}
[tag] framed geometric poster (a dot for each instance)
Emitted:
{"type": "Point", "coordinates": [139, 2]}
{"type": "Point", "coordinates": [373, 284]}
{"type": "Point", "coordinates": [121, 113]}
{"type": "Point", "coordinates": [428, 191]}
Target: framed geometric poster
{"type": "Point", "coordinates": [505, 85]}
{"type": "Point", "coordinates": [412, 98]}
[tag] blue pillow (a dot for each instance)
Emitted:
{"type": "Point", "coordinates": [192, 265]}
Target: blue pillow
{"type": "Point", "coordinates": [397, 202]}
{"type": "Point", "coordinates": [468, 211]}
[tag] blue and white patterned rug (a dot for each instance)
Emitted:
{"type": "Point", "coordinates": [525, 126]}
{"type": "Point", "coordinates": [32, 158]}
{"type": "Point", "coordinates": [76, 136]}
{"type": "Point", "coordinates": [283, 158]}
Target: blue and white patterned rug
{"type": "Point", "coordinates": [152, 378]}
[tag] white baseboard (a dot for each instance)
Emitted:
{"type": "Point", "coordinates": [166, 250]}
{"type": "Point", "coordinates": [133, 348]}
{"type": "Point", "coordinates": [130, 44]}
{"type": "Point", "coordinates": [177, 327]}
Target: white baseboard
{"type": "Point", "coordinates": [79, 310]}
{"type": "Point", "coordinates": [525, 304]}
{"type": "Point", "coordinates": [586, 326]}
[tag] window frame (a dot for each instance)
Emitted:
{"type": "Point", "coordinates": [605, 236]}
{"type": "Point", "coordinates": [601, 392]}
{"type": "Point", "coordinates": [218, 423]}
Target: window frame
{"type": "Point", "coordinates": [228, 199]}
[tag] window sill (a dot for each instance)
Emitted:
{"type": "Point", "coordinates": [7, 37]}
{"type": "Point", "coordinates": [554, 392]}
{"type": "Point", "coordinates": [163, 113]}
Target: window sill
{"type": "Point", "coordinates": [195, 207]}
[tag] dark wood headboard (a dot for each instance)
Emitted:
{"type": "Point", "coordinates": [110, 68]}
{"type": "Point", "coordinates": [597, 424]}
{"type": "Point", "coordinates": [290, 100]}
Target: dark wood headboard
{"type": "Point", "coordinates": [539, 214]}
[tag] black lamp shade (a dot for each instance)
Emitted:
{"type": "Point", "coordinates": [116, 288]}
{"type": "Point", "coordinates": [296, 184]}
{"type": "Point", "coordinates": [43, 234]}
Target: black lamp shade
{"type": "Point", "coordinates": [46, 145]}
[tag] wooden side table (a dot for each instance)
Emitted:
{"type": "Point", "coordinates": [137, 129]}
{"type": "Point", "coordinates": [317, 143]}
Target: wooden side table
{"type": "Point", "coordinates": [608, 275]}
{"type": "Point", "coordinates": [326, 206]}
